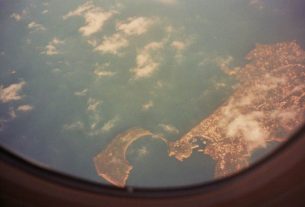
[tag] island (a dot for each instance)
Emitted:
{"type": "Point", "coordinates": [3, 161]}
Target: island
{"type": "Point", "coordinates": [111, 164]}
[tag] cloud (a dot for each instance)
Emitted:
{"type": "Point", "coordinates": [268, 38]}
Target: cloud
{"type": "Point", "coordinates": [12, 71]}
{"type": "Point", "coordinates": [18, 17]}
{"type": "Point", "coordinates": [52, 47]}
{"type": "Point", "coordinates": [81, 93]}
{"type": "Point", "coordinates": [109, 125]}
{"type": "Point", "coordinates": [271, 82]}
{"type": "Point", "coordinates": [255, 125]}
{"type": "Point", "coordinates": [112, 44]}
{"type": "Point", "coordinates": [11, 92]}
{"type": "Point", "coordinates": [147, 60]}
{"type": "Point", "coordinates": [94, 116]}
{"type": "Point", "coordinates": [56, 70]}
{"type": "Point", "coordinates": [118, 41]}
{"type": "Point", "coordinates": [74, 126]}
{"type": "Point", "coordinates": [135, 25]}
{"type": "Point", "coordinates": [25, 108]}
{"type": "Point", "coordinates": [35, 27]}
{"type": "Point", "coordinates": [147, 106]}
{"type": "Point", "coordinates": [169, 128]}
{"type": "Point", "coordinates": [131, 27]}
{"type": "Point", "coordinates": [258, 4]}
{"type": "Point", "coordinates": [95, 120]}
{"type": "Point", "coordinates": [102, 70]}
{"type": "Point", "coordinates": [102, 73]}
{"type": "Point", "coordinates": [167, 2]}
{"type": "Point", "coordinates": [93, 104]}
{"type": "Point", "coordinates": [95, 18]}
{"type": "Point", "coordinates": [224, 64]}
{"type": "Point", "coordinates": [141, 152]}
{"type": "Point", "coordinates": [286, 116]}
{"type": "Point", "coordinates": [12, 113]}
{"type": "Point", "coordinates": [92, 42]}
{"type": "Point", "coordinates": [178, 45]}
{"type": "Point", "coordinates": [249, 127]}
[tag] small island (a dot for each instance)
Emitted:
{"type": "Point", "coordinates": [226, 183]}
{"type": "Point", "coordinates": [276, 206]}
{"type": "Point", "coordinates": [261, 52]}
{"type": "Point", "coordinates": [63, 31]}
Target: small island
{"type": "Point", "coordinates": [111, 164]}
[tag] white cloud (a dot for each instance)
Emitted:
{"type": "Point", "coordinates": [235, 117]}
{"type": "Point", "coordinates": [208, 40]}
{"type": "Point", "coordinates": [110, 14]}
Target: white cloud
{"type": "Point", "coordinates": [18, 17]}
{"type": "Point", "coordinates": [135, 25]}
{"type": "Point", "coordinates": [93, 104]}
{"type": "Point", "coordinates": [25, 108]}
{"type": "Point", "coordinates": [169, 128]}
{"type": "Point", "coordinates": [95, 18]}
{"type": "Point", "coordinates": [286, 116]}
{"type": "Point", "coordinates": [74, 126]}
{"type": "Point", "coordinates": [95, 120]}
{"type": "Point", "coordinates": [81, 93]}
{"type": "Point", "coordinates": [103, 73]}
{"type": "Point", "coordinates": [251, 115]}
{"type": "Point", "coordinates": [92, 42]}
{"type": "Point", "coordinates": [224, 64]}
{"type": "Point", "coordinates": [258, 4]}
{"type": "Point", "coordinates": [271, 82]}
{"type": "Point", "coordinates": [249, 127]}
{"type": "Point", "coordinates": [167, 2]}
{"type": "Point", "coordinates": [56, 70]}
{"type": "Point", "coordinates": [12, 71]}
{"type": "Point", "coordinates": [110, 124]}
{"type": "Point", "coordinates": [94, 116]}
{"type": "Point", "coordinates": [112, 44]}
{"type": "Point", "coordinates": [80, 10]}
{"type": "Point", "coordinates": [102, 70]}
{"type": "Point", "coordinates": [142, 152]}
{"type": "Point", "coordinates": [11, 92]}
{"type": "Point", "coordinates": [52, 47]}
{"type": "Point", "coordinates": [35, 27]}
{"type": "Point", "coordinates": [12, 113]}
{"type": "Point", "coordinates": [179, 45]}
{"type": "Point", "coordinates": [147, 106]}
{"type": "Point", "coordinates": [147, 60]}
{"type": "Point", "coordinates": [132, 27]}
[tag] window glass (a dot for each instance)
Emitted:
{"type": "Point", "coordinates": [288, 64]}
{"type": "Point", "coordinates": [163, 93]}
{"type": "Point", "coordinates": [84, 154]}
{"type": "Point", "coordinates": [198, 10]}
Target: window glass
{"type": "Point", "coordinates": [158, 93]}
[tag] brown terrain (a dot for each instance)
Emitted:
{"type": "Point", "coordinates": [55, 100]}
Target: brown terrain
{"type": "Point", "coordinates": [267, 105]}
{"type": "Point", "coordinates": [111, 164]}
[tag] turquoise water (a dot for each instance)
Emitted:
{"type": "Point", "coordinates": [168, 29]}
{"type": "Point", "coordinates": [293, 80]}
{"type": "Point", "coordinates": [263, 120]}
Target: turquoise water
{"type": "Point", "coordinates": [79, 98]}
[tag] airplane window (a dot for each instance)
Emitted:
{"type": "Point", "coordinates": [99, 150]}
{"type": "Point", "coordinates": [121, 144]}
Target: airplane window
{"type": "Point", "coordinates": [150, 94]}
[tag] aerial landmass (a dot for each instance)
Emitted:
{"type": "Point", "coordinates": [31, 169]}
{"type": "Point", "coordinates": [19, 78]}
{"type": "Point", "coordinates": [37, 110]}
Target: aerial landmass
{"type": "Point", "coordinates": [111, 164]}
{"type": "Point", "coordinates": [267, 105]}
